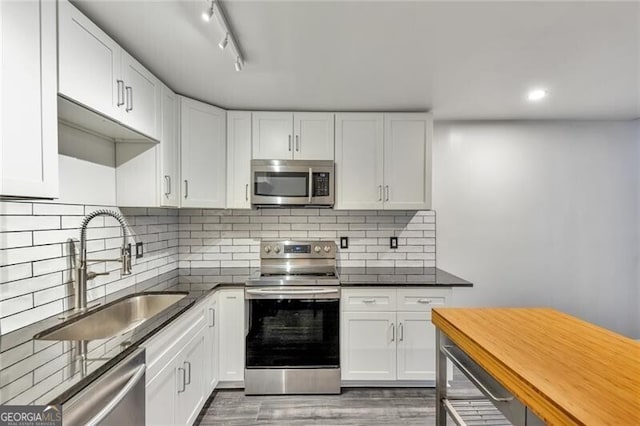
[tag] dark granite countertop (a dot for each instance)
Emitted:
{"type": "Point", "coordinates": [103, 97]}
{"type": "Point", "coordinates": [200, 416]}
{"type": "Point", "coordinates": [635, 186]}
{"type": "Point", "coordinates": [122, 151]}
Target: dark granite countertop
{"type": "Point", "coordinates": [47, 372]}
{"type": "Point", "coordinates": [426, 277]}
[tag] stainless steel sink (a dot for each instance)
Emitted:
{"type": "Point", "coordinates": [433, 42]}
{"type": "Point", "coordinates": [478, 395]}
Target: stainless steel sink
{"type": "Point", "coordinates": [113, 319]}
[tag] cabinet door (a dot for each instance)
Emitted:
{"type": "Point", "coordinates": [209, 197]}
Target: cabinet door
{"type": "Point", "coordinates": [359, 161]}
{"type": "Point", "coordinates": [211, 345]}
{"type": "Point", "coordinates": [368, 347]}
{"type": "Point", "coordinates": [313, 136]}
{"type": "Point", "coordinates": [238, 159]}
{"type": "Point", "coordinates": [407, 161]}
{"type": "Point", "coordinates": [161, 393]}
{"type": "Point", "coordinates": [203, 154]}
{"type": "Point", "coordinates": [170, 149]}
{"type": "Point", "coordinates": [88, 63]}
{"type": "Point", "coordinates": [28, 114]}
{"type": "Point", "coordinates": [232, 334]}
{"type": "Point", "coordinates": [142, 98]}
{"type": "Point", "coordinates": [416, 346]}
{"type": "Point", "coordinates": [191, 361]}
{"type": "Point", "coordinates": [272, 135]}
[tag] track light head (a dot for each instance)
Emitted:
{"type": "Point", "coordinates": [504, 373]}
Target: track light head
{"type": "Point", "coordinates": [238, 64]}
{"type": "Point", "coordinates": [207, 14]}
{"type": "Point", "coordinates": [224, 41]}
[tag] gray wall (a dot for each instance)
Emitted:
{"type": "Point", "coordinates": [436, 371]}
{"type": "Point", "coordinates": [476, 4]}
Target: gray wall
{"type": "Point", "coordinates": [542, 214]}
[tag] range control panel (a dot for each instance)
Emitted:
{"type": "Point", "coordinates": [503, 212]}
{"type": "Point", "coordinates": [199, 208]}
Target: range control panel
{"type": "Point", "coordinates": [297, 249]}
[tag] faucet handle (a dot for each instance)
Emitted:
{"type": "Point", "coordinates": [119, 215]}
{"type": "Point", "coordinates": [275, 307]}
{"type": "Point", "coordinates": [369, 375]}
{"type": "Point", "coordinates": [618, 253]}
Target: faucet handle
{"type": "Point", "coordinates": [91, 275]}
{"type": "Point", "coordinates": [126, 260]}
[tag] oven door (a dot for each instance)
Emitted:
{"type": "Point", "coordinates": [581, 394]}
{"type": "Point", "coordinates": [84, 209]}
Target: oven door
{"type": "Point", "coordinates": [293, 327]}
{"type": "Point", "coordinates": [292, 182]}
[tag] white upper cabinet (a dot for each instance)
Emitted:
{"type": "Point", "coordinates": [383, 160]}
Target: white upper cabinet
{"type": "Point", "coordinates": [359, 161]}
{"type": "Point", "coordinates": [273, 135]}
{"type": "Point", "coordinates": [28, 84]}
{"type": "Point", "coordinates": [170, 150]}
{"type": "Point", "coordinates": [89, 63]}
{"type": "Point", "coordinates": [96, 72]}
{"type": "Point", "coordinates": [407, 161]}
{"type": "Point", "coordinates": [288, 136]}
{"type": "Point", "coordinates": [142, 92]}
{"type": "Point", "coordinates": [313, 136]}
{"type": "Point", "coordinates": [383, 161]}
{"type": "Point", "coordinates": [238, 159]}
{"type": "Point", "coordinates": [203, 154]}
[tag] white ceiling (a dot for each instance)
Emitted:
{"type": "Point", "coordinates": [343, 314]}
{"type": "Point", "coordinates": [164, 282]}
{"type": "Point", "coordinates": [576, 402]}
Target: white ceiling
{"type": "Point", "coordinates": [462, 60]}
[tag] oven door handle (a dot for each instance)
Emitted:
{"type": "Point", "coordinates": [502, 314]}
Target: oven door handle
{"type": "Point", "coordinates": [282, 292]}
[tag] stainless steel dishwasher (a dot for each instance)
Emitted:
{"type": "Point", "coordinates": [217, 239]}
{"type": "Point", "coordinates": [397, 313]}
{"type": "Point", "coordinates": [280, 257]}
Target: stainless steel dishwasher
{"type": "Point", "coordinates": [115, 398]}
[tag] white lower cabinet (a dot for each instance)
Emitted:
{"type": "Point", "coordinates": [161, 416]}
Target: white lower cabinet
{"type": "Point", "coordinates": [179, 367]}
{"type": "Point", "coordinates": [232, 334]}
{"type": "Point", "coordinates": [387, 334]}
{"type": "Point", "coordinates": [368, 347]}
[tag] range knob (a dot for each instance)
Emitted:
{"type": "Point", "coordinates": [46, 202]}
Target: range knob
{"type": "Point", "coordinates": [327, 249]}
{"type": "Point", "coordinates": [317, 249]}
{"type": "Point", "coordinates": [276, 249]}
{"type": "Point", "coordinates": [267, 249]}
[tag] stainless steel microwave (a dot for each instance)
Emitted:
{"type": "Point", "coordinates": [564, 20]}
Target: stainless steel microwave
{"type": "Point", "coordinates": [292, 183]}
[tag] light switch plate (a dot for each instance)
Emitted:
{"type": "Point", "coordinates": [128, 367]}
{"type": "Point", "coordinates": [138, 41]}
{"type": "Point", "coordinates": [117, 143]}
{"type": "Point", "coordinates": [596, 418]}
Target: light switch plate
{"type": "Point", "coordinates": [344, 242]}
{"type": "Point", "coordinates": [139, 250]}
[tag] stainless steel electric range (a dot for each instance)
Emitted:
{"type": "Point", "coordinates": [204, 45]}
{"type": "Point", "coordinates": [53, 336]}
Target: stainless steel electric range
{"type": "Point", "coordinates": [293, 320]}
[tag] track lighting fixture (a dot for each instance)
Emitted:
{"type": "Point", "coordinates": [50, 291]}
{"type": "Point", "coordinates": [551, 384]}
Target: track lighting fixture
{"type": "Point", "coordinates": [224, 41]}
{"type": "Point", "coordinates": [214, 7]}
{"type": "Point", "coordinates": [207, 14]}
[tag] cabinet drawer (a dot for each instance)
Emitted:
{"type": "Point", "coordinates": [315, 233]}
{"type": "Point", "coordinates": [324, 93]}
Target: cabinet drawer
{"type": "Point", "coordinates": [368, 299]}
{"type": "Point", "coordinates": [422, 299]}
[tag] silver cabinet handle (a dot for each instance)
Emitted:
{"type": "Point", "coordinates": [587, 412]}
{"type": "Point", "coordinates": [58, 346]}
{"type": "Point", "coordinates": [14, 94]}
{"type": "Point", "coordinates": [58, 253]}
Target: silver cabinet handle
{"type": "Point", "coordinates": [393, 332]}
{"type": "Point", "coordinates": [167, 179]}
{"type": "Point", "coordinates": [246, 192]}
{"type": "Point", "coordinates": [213, 317]}
{"type": "Point", "coordinates": [120, 92]}
{"type": "Point", "coordinates": [184, 379]}
{"type": "Point", "coordinates": [129, 91]}
{"type": "Point", "coordinates": [188, 381]}
{"type": "Point", "coordinates": [379, 192]}
{"type": "Point", "coordinates": [297, 143]}
{"type": "Point", "coordinates": [289, 142]}
{"type": "Point", "coordinates": [368, 300]}
{"type": "Point", "coordinates": [387, 191]}
{"type": "Point", "coordinates": [401, 332]}
{"type": "Point", "coordinates": [186, 188]}
{"type": "Point", "coordinates": [425, 301]}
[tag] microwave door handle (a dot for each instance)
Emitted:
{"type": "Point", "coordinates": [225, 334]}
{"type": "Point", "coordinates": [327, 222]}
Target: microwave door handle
{"type": "Point", "coordinates": [310, 184]}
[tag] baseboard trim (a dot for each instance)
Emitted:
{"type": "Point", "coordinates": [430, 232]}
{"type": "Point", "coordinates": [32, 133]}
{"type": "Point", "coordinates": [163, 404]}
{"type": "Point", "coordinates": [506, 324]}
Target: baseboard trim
{"type": "Point", "coordinates": [231, 384]}
{"type": "Point", "coordinates": [388, 383]}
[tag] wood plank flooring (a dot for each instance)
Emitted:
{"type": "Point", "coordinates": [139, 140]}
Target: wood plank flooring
{"type": "Point", "coordinates": [355, 406]}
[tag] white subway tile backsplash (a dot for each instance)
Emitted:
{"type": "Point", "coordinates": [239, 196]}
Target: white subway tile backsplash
{"type": "Point", "coordinates": [15, 239]}
{"type": "Point", "coordinates": [369, 232]}
{"type": "Point", "coordinates": [28, 223]}
{"type": "Point", "coordinates": [35, 263]}
{"type": "Point", "coordinates": [34, 268]}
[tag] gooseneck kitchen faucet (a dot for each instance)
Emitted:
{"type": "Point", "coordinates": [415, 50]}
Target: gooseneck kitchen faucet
{"type": "Point", "coordinates": [82, 274]}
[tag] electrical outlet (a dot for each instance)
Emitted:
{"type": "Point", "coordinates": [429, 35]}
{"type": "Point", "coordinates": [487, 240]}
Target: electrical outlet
{"type": "Point", "coordinates": [139, 250]}
{"type": "Point", "coordinates": [393, 242]}
{"type": "Point", "coordinates": [344, 242]}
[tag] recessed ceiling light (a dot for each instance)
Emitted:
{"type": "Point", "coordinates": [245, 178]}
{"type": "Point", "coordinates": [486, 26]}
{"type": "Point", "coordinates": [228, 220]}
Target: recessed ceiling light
{"type": "Point", "coordinates": [536, 95]}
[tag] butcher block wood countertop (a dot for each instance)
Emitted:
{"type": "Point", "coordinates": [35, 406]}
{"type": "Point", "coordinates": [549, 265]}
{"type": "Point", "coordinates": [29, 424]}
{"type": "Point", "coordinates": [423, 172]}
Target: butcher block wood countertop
{"type": "Point", "coordinates": [567, 371]}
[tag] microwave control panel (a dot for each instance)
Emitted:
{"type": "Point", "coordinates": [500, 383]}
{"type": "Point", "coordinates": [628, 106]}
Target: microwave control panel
{"type": "Point", "coordinates": [321, 185]}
